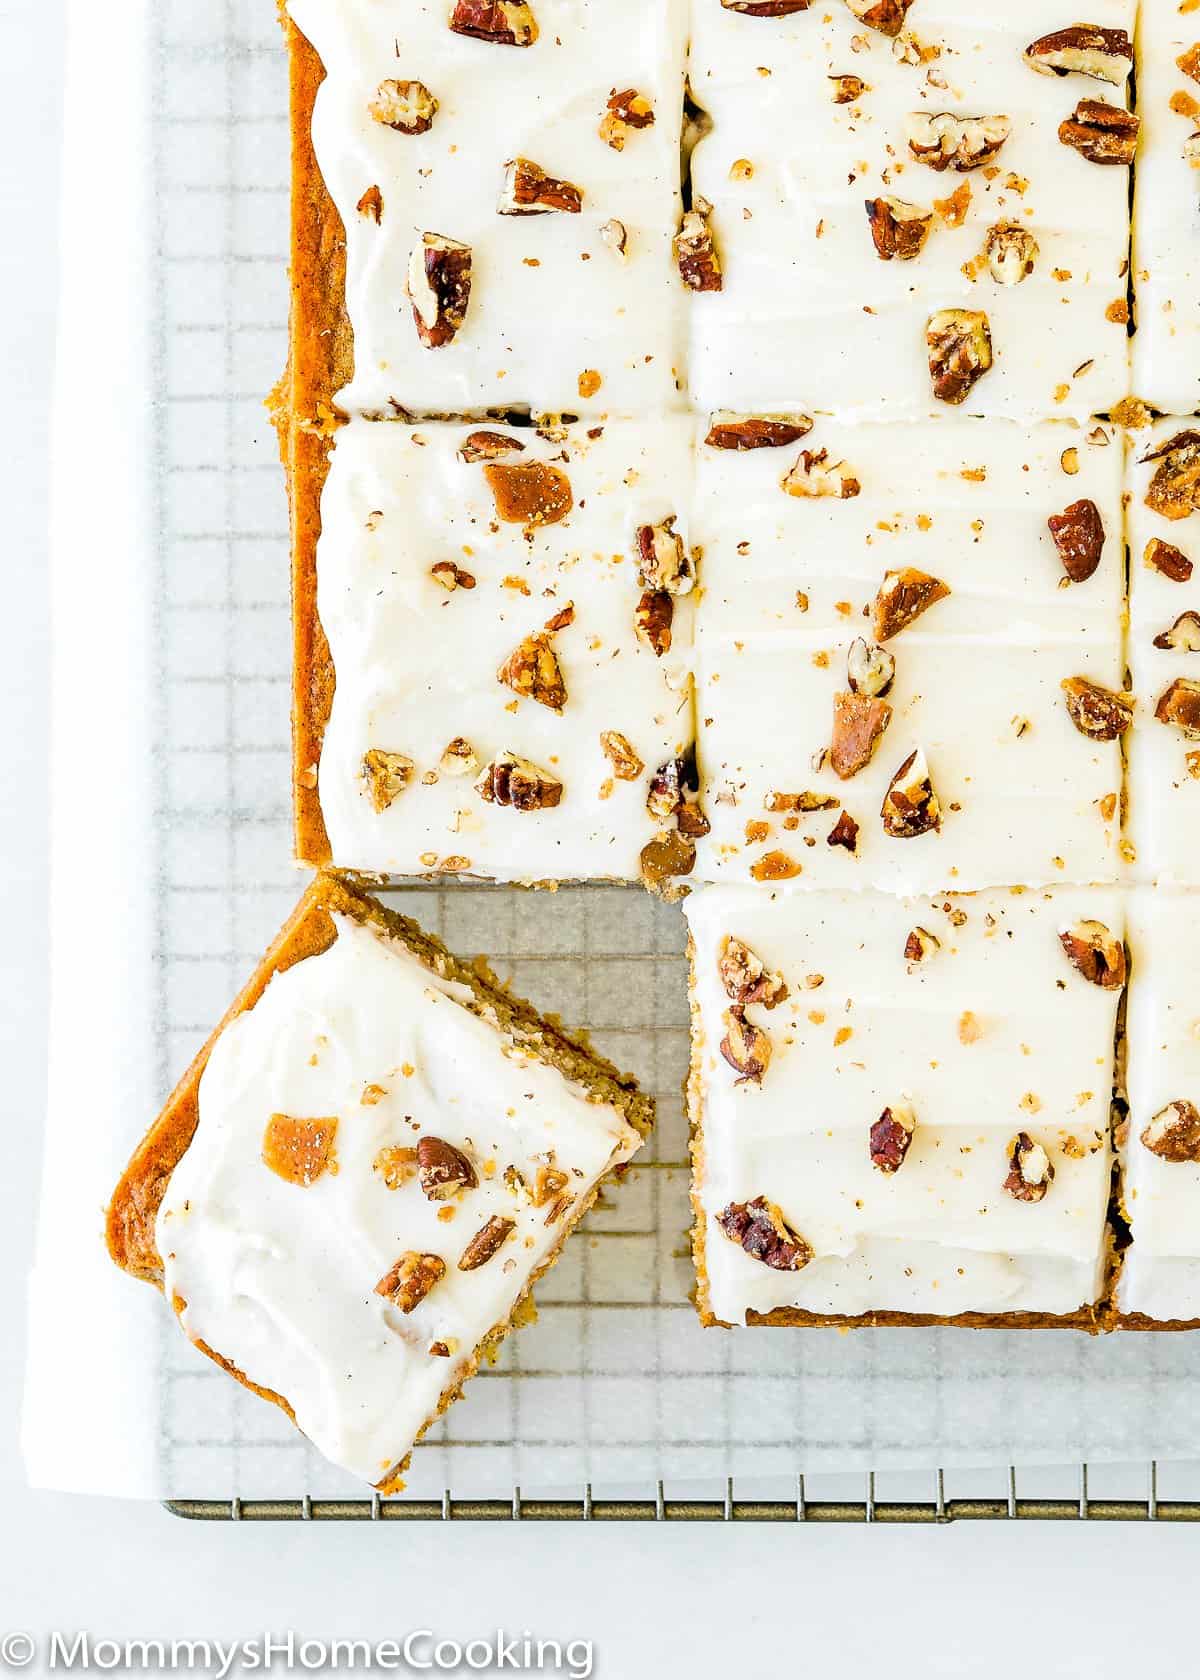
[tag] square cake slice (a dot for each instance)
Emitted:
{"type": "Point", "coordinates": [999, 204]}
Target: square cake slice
{"type": "Point", "coordinates": [1164, 652]}
{"type": "Point", "coordinates": [900, 1108]}
{"type": "Point", "coordinates": [362, 1174]}
{"type": "Point", "coordinates": [910, 217]}
{"type": "Point", "coordinates": [508, 180]}
{"type": "Point", "coordinates": [1159, 1282]}
{"type": "Point", "coordinates": [506, 624]}
{"type": "Point", "coordinates": [1166, 267]}
{"type": "Point", "coordinates": [888, 617]}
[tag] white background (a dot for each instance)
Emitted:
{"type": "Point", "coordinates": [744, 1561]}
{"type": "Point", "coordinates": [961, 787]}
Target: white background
{"type": "Point", "coordinates": [983, 1599]}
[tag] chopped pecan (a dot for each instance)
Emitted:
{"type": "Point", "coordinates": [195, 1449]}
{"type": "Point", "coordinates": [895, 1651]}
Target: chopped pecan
{"type": "Point", "coordinates": [844, 833]}
{"type": "Point", "coordinates": [395, 1166]}
{"type": "Point", "coordinates": [696, 252]}
{"type": "Point", "coordinates": [1100, 132]}
{"type": "Point", "coordinates": [1174, 1132]}
{"type": "Point", "coordinates": [652, 620]}
{"type": "Point", "coordinates": [760, 1228]}
{"type": "Point", "coordinates": [386, 774]}
{"type": "Point", "coordinates": [1078, 534]}
{"type": "Point", "coordinates": [627, 109]}
{"type": "Point", "coordinates": [746, 978]}
{"type": "Point", "coordinates": [1179, 706]}
{"type": "Point", "coordinates": [1164, 557]}
{"type": "Point", "coordinates": [859, 721]}
{"type": "Point", "coordinates": [814, 474]}
{"type": "Point", "coordinates": [777, 802]}
{"type": "Point", "coordinates": [663, 561]}
{"type": "Point", "coordinates": [766, 8]}
{"type": "Point", "coordinates": [299, 1150]}
{"type": "Point", "coordinates": [518, 783]}
{"type": "Point", "coordinates": [921, 945]}
{"type": "Point", "coordinates": [616, 236]}
{"type": "Point", "coordinates": [844, 90]}
{"type": "Point", "coordinates": [944, 141]}
{"type": "Point", "coordinates": [910, 806]}
{"type": "Point", "coordinates": [745, 1047]}
{"type": "Point", "coordinates": [459, 758]}
{"type": "Point", "coordinates": [529, 191]}
{"type": "Point", "coordinates": [444, 1170]}
{"type": "Point", "coordinates": [1174, 490]}
{"type": "Point", "coordinates": [898, 229]}
{"type": "Point", "coordinates": [960, 352]}
{"type": "Point", "coordinates": [529, 493]}
{"type": "Point", "coordinates": [411, 1279]}
{"type": "Point", "coordinates": [439, 288]}
{"type": "Point", "coordinates": [506, 23]}
{"type": "Point", "coordinates": [627, 766]}
{"type": "Point", "coordinates": [548, 1184]}
{"type": "Point", "coordinates": [371, 204]}
{"type": "Point", "coordinates": [885, 15]}
{"type": "Point", "coordinates": [1030, 1170]}
{"type": "Point", "coordinates": [870, 670]}
{"type": "Point", "coordinates": [408, 107]}
{"type": "Point", "coordinates": [532, 671]}
{"type": "Point", "coordinates": [902, 597]}
{"type": "Point", "coordinates": [756, 431]}
{"type": "Point", "coordinates": [890, 1137]}
{"type": "Point", "coordinates": [672, 794]}
{"type": "Point", "coordinates": [1097, 712]}
{"type": "Point", "coordinates": [1183, 636]}
{"type": "Point", "coordinates": [488, 446]}
{"type": "Point", "coordinates": [486, 1243]}
{"type": "Point", "coordinates": [1096, 952]}
{"type": "Point", "coordinates": [1106, 54]}
{"type": "Point", "coordinates": [1010, 252]}
{"type": "Point", "coordinates": [450, 576]}
{"type": "Point", "coordinates": [666, 857]}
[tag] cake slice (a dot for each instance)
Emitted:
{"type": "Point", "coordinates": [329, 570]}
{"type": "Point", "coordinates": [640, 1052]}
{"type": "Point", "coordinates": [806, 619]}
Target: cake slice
{"type": "Point", "coordinates": [363, 1172]}
{"type": "Point", "coordinates": [900, 1108]}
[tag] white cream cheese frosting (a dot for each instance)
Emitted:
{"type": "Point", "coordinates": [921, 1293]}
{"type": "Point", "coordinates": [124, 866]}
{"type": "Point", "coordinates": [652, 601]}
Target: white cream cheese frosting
{"type": "Point", "coordinates": [280, 1278]}
{"type": "Point", "coordinates": [786, 581]}
{"type": "Point", "coordinates": [552, 301]}
{"type": "Point", "coordinates": [994, 1033]}
{"type": "Point", "coordinates": [1163, 760]}
{"type": "Point", "coordinates": [417, 665]}
{"type": "Point", "coordinates": [809, 315]}
{"type": "Point", "coordinates": [1166, 211]}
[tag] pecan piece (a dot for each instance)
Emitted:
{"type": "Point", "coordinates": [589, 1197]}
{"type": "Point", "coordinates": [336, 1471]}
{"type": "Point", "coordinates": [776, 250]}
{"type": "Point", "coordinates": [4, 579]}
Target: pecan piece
{"type": "Point", "coordinates": [1078, 534]}
{"type": "Point", "coordinates": [486, 1243]}
{"type": "Point", "coordinates": [859, 721]}
{"type": "Point", "coordinates": [898, 229]}
{"type": "Point", "coordinates": [870, 670]}
{"type": "Point", "coordinates": [1174, 490]}
{"type": "Point", "coordinates": [665, 857]}
{"type": "Point", "coordinates": [663, 561]}
{"type": "Point", "coordinates": [1179, 706]}
{"type": "Point", "coordinates": [921, 945]}
{"type": "Point", "coordinates": [516, 782]}
{"type": "Point", "coordinates": [406, 106]}
{"type": "Point", "coordinates": [411, 1279]}
{"type": "Point", "coordinates": [910, 806]}
{"type": "Point", "coordinates": [371, 205]}
{"type": "Point", "coordinates": [1096, 952]}
{"type": "Point", "coordinates": [1100, 132]}
{"type": "Point", "coordinates": [1164, 557]}
{"type": "Point", "coordinates": [506, 23]}
{"type": "Point", "coordinates": [1097, 712]}
{"type": "Point", "coordinates": [1010, 252]}
{"type": "Point", "coordinates": [844, 90]}
{"type": "Point", "coordinates": [439, 288]}
{"type": "Point", "coordinates": [756, 431]}
{"type": "Point", "coordinates": [695, 248]}
{"type": "Point", "coordinates": [745, 1047]}
{"type": "Point", "coordinates": [844, 833]}
{"type": "Point", "coordinates": [746, 978]}
{"type": "Point", "coordinates": [1106, 54]}
{"type": "Point", "coordinates": [766, 8]}
{"type": "Point", "coordinates": [386, 774]}
{"type": "Point", "coordinates": [903, 596]}
{"type": "Point", "coordinates": [814, 474]}
{"type": "Point", "coordinates": [885, 15]}
{"type": "Point", "coordinates": [488, 446]}
{"type": "Point", "coordinates": [532, 671]}
{"type": "Point", "coordinates": [450, 576]}
{"type": "Point", "coordinates": [652, 620]}
{"type": "Point", "coordinates": [1174, 1132]}
{"type": "Point", "coordinates": [299, 1150]}
{"type": "Point", "coordinates": [529, 191]}
{"type": "Point", "coordinates": [444, 1170]}
{"type": "Point", "coordinates": [1183, 636]}
{"type": "Point", "coordinates": [944, 141]}
{"type": "Point", "coordinates": [1030, 1170]}
{"type": "Point", "coordinates": [960, 352]}
{"type": "Point", "coordinates": [627, 109]}
{"type": "Point", "coordinates": [672, 796]}
{"type": "Point", "coordinates": [627, 766]}
{"type": "Point", "coordinates": [760, 1228]}
{"type": "Point", "coordinates": [890, 1137]}
{"type": "Point", "coordinates": [529, 493]}
{"type": "Point", "coordinates": [395, 1166]}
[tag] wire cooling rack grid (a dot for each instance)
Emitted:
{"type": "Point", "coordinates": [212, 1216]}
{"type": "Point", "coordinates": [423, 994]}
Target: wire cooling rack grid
{"type": "Point", "coordinates": [616, 1386]}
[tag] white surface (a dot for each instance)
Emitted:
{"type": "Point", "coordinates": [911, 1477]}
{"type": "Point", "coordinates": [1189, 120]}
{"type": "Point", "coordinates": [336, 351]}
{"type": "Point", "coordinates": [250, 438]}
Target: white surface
{"type": "Point", "coordinates": [124, 1569]}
